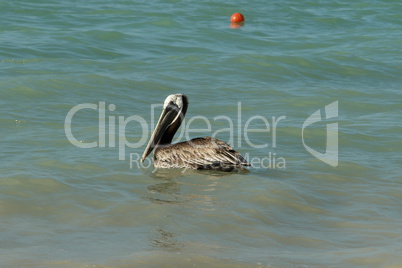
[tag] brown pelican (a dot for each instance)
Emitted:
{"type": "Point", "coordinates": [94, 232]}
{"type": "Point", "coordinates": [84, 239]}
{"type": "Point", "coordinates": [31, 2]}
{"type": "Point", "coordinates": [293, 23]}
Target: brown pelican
{"type": "Point", "coordinates": [198, 153]}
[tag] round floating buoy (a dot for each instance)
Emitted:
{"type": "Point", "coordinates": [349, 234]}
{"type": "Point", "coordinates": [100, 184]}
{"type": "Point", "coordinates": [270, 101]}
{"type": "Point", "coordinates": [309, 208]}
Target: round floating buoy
{"type": "Point", "coordinates": [237, 17]}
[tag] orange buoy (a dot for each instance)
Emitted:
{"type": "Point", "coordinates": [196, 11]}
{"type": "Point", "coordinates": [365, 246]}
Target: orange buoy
{"type": "Point", "coordinates": [237, 17]}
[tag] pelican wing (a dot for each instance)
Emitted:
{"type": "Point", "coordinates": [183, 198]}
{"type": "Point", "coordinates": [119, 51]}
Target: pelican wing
{"type": "Point", "coordinates": [200, 153]}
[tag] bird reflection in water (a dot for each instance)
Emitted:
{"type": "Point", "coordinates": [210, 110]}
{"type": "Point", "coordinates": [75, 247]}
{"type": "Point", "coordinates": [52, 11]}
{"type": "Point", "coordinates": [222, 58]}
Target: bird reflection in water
{"type": "Point", "coordinates": [190, 190]}
{"type": "Point", "coordinates": [164, 240]}
{"type": "Point", "coordinates": [168, 189]}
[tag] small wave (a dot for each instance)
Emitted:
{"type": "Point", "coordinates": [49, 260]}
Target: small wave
{"type": "Point", "coordinates": [21, 61]}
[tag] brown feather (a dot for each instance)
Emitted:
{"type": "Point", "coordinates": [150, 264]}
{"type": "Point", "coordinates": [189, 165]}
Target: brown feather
{"type": "Point", "coordinates": [199, 153]}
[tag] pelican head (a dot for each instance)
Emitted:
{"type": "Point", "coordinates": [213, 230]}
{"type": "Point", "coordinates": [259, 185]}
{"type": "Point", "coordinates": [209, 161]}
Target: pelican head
{"type": "Point", "coordinates": [173, 112]}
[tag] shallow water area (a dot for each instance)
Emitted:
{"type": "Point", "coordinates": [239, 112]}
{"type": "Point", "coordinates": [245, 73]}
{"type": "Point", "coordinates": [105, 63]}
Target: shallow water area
{"type": "Point", "coordinates": [66, 206]}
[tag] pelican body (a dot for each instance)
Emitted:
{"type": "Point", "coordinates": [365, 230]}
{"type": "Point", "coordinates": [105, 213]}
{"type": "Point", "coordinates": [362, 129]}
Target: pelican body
{"type": "Point", "coordinates": [198, 153]}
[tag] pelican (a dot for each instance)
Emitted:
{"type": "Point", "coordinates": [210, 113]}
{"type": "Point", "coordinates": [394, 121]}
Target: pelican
{"type": "Point", "coordinates": [198, 153]}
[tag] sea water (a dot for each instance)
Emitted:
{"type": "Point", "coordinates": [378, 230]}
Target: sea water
{"type": "Point", "coordinates": [308, 91]}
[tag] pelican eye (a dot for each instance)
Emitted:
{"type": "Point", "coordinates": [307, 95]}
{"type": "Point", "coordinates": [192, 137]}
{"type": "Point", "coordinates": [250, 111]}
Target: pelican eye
{"type": "Point", "coordinates": [172, 105]}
